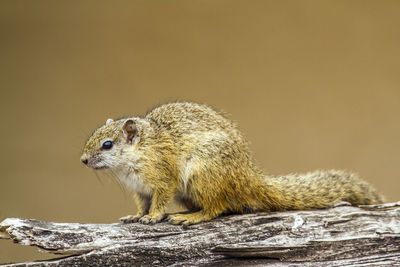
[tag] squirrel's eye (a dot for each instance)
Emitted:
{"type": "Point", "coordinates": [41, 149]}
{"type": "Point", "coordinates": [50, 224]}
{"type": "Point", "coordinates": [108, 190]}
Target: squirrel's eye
{"type": "Point", "coordinates": [107, 145]}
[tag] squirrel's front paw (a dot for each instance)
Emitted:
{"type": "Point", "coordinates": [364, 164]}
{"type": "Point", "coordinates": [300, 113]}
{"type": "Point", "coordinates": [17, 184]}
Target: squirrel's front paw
{"type": "Point", "coordinates": [130, 218]}
{"type": "Point", "coordinates": [151, 219]}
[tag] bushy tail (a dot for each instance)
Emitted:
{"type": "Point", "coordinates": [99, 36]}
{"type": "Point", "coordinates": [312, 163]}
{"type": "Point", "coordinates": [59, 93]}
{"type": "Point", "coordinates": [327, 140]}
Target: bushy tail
{"type": "Point", "coordinates": [321, 189]}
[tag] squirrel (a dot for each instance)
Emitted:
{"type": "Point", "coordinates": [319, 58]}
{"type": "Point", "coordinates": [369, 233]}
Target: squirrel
{"type": "Point", "coordinates": [198, 156]}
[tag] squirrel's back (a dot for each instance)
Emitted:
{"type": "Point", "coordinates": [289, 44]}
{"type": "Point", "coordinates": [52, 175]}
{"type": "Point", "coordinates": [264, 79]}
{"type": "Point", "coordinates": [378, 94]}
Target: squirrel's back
{"type": "Point", "coordinates": [186, 118]}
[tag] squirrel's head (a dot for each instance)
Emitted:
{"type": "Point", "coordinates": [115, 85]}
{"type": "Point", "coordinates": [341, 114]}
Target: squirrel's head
{"type": "Point", "coordinates": [108, 144]}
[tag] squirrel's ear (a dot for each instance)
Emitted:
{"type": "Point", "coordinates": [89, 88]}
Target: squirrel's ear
{"type": "Point", "coordinates": [109, 121]}
{"type": "Point", "coordinates": [130, 130]}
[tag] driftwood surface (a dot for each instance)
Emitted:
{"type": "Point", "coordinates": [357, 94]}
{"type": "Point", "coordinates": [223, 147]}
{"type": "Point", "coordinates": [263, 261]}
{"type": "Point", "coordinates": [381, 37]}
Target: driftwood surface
{"type": "Point", "coordinates": [340, 236]}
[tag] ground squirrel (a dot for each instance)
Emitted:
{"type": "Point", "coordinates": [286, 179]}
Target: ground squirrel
{"type": "Point", "coordinates": [197, 155]}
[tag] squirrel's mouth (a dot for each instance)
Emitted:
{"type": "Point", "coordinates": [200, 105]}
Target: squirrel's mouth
{"type": "Point", "coordinates": [99, 167]}
{"type": "Point", "coordinates": [96, 164]}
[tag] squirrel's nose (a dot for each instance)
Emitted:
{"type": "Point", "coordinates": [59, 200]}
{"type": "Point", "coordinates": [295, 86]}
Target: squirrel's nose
{"type": "Point", "coordinates": [84, 159]}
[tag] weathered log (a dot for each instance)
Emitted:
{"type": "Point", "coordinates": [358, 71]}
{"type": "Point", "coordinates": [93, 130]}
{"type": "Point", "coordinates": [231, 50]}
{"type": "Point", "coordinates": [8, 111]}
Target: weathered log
{"type": "Point", "coordinates": [339, 236]}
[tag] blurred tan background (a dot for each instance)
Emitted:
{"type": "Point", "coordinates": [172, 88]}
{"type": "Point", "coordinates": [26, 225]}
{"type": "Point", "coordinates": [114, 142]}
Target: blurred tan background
{"type": "Point", "coordinates": [312, 84]}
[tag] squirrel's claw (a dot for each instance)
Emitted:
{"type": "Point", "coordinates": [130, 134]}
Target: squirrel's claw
{"type": "Point", "coordinates": [148, 219]}
{"type": "Point", "coordinates": [174, 220]}
{"type": "Point", "coordinates": [183, 219]}
{"type": "Point", "coordinates": [130, 218]}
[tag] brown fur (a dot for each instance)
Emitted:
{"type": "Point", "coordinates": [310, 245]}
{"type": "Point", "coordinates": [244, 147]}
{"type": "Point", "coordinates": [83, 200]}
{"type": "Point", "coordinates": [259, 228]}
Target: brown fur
{"type": "Point", "coordinates": [197, 155]}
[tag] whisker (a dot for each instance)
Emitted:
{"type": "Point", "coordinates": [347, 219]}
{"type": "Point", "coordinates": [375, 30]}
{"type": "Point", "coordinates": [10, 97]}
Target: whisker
{"type": "Point", "coordinates": [118, 182]}
{"type": "Point", "coordinates": [111, 177]}
{"type": "Point", "coordinates": [98, 177]}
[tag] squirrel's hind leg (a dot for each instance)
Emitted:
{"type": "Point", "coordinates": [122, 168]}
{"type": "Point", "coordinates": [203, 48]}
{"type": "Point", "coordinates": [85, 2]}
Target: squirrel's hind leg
{"type": "Point", "coordinates": [190, 218]}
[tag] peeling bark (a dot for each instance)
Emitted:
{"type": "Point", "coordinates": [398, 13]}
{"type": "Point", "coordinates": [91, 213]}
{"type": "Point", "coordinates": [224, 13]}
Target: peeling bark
{"type": "Point", "coordinates": [339, 236]}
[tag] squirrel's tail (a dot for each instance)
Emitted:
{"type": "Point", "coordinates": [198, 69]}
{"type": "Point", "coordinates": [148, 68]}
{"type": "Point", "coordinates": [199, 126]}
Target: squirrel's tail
{"type": "Point", "coordinates": [321, 189]}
